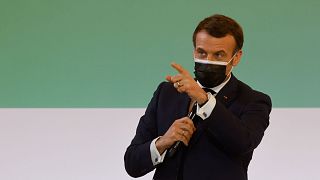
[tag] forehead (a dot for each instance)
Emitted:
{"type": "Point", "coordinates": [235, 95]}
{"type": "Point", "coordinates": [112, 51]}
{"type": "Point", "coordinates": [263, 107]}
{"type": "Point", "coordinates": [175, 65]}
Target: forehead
{"type": "Point", "coordinates": [212, 44]}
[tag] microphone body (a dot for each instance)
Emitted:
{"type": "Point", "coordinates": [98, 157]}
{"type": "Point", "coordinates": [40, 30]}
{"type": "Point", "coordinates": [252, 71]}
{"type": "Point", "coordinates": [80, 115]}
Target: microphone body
{"type": "Point", "coordinates": [177, 145]}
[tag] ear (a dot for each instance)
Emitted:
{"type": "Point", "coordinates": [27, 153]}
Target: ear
{"type": "Point", "coordinates": [237, 58]}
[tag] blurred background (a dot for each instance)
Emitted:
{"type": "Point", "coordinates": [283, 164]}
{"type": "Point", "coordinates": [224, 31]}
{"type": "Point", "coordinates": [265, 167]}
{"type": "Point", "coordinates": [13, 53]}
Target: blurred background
{"type": "Point", "coordinates": [76, 76]}
{"type": "Point", "coordinates": [114, 53]}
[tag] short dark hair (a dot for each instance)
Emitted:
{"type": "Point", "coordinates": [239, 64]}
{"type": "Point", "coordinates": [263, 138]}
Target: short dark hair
{"type": "Point", "coordinates": [219, 26]}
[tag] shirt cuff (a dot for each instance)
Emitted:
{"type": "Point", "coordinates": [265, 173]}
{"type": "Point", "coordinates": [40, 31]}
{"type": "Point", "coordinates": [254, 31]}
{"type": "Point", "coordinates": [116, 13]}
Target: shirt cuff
{"type": "Point", "coordinates": [155, 155]}
{"type": "Point", "coordinates": [205, 110]}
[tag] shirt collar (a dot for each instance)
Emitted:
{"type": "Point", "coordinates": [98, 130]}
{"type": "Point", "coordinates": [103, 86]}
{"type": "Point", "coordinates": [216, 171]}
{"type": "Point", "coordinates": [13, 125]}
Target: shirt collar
{"type": "Point", "coordinates": [219, 87]}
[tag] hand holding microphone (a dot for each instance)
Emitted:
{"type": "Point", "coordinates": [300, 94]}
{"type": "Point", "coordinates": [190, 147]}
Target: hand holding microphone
{"type": "Point", "coordinates": [177, 145]}
{"type": "Point", "coordinates": [180, 131]}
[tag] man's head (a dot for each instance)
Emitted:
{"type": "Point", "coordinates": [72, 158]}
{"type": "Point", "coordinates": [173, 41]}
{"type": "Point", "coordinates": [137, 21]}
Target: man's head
{"type": "Point", "coordinates": [219, 26]}
{"type": "Point", "coordinates": [218, 39]}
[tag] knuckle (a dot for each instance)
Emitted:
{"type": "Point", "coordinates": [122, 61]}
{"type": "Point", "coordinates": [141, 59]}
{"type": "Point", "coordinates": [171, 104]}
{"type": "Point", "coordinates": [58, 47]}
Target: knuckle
{"type": "Point", "coordinates": [174, 129]}
{"type": "Point", "coordinates": [174, 134]}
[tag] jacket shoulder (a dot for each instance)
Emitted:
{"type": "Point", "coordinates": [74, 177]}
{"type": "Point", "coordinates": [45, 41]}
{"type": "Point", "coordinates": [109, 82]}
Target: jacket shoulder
{"type": "Point", "coordinates": [249, 95]}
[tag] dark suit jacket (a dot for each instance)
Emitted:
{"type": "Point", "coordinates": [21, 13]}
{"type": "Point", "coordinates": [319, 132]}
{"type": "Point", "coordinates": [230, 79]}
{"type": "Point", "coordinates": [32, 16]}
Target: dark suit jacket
{"type": "Point", "coordinates": [222, 146]}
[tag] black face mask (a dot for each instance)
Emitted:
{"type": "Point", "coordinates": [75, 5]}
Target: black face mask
{"type": "Point", "coordinates": [210, 75]}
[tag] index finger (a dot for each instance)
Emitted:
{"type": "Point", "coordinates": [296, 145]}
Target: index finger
{"type": "Point", "coordinates": [187, 120]}
{"type": "Point", "coordinates": [178, 67]}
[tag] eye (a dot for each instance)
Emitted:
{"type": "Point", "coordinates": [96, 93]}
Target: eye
{"type": "Point", "coordinates": [201, 54]}
{"type": "Point", "coordinates": [219, 55]}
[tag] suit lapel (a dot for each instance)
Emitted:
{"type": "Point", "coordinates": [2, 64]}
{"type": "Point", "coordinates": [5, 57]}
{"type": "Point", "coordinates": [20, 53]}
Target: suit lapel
{"type": "Point", "coordinates": [228, 92]}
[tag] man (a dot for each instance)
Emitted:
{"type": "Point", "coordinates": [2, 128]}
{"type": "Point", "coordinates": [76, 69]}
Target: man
{"type": "Point", "coordinates": [230, 119]}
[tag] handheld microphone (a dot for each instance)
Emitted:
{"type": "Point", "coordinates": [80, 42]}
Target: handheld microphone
{"type": "Point", "coordinates": [177, 145]}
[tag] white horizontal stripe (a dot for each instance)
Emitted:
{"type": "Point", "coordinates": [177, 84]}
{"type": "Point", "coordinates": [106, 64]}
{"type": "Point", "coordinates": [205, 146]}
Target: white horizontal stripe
{"type": "Point", "coordinates": [210, 62]}
{"type": "Point", "coordinates": [87, 144]}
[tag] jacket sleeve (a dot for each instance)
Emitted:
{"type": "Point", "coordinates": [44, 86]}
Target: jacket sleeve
{"type": "Point", "coordinates": [240, 133]}
{"type": "Point", "coordinates": [137, 157]}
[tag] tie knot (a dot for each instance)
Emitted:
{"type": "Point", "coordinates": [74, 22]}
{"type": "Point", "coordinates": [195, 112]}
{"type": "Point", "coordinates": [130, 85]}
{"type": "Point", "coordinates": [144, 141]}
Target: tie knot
{"type": "Point", "coordinates": [209, 90]}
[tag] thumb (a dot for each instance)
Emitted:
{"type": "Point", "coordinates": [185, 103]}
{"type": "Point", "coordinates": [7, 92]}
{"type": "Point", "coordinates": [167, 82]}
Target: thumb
{"type": "Point", "coordinates": [168, 78]}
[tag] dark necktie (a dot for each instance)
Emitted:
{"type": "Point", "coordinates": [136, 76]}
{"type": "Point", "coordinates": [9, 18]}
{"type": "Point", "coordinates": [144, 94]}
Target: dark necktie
{"type": "Point", "coordinates": [193, 115]}
{"type": "Point", "coordinates": [209, 90]}
{"type": "Point", "coordinates": [196, 121]}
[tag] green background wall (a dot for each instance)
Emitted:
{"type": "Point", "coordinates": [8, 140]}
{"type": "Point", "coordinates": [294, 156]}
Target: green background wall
{"type": "Point", "coordinates": [114, 53]}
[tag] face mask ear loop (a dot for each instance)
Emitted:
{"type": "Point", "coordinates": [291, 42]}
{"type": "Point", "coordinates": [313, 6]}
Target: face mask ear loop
{"type": "Point", "coordinates": [230, 61]}
{"type": "Point", "coordinates": [232, 57]}
{"type": "Point", "coordinates": [230, 71]}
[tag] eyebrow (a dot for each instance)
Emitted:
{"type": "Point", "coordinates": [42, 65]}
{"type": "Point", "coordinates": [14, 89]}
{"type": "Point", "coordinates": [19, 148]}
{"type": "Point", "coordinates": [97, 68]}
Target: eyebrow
{"type": "Point", "coordinates": [220, 51]}
{"type": "Point", "coordinates": [200, 49]}
{"type": "Point", "coordinates": [217, 52]}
